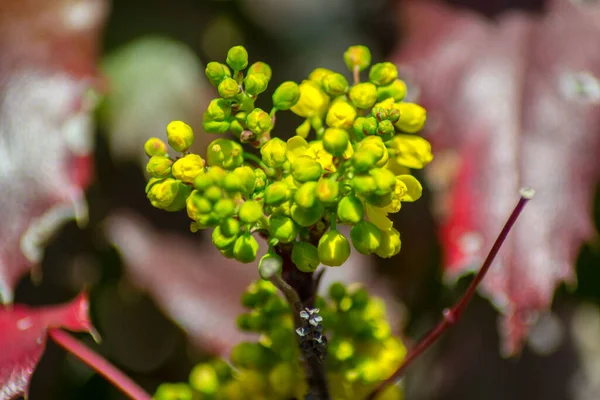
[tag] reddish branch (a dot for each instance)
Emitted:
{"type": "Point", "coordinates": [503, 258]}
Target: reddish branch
{"type": "Point", "coordinates": [95, 361]}
{"type": "Point", "coordinates": [452, 315]}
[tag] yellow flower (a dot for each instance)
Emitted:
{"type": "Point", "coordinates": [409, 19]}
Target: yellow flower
{"type": "Point", "coordinates": [341, 115]}
{"type": "Point", "coordinates": [313, 101]}
{"type": "Point", "coordinates": [298, 147]}
{"type": "Point", "coordinates": [411, 151]}
{"type": "Point", "coordinates": [412, 117]}
{"type": "Point", "coordinates": [186, 168]}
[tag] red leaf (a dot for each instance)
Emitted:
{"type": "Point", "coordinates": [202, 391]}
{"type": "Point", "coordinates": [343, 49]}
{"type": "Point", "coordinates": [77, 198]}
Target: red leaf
{"type": "Point", "coordinates": [49, 49]}
{"type": "Point", "coordinates": [516, 100]}
{"type": "Point", "coordinates": [23, 339]}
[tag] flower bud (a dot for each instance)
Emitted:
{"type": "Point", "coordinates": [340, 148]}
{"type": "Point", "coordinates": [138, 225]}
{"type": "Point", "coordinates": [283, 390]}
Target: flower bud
{"type": "Point", "coordinates": [151, 182]}
{"type": "Point", "coordinates": [305, 196]}
{"type": "Point", "coordinates": [180, 136]}
{"type": "Point", "coordinates": [305, 168]}
{"type": "Point", "coordinates": [228, 88]}
{"type": "Point", "coordinates": [169, 195]}
{"type": "Point", "coordinates": [383, 73]}
{"type": "Point", "coordinates": [286, 95]}
{"type": "Point", "coordinates": [335, 141]}
{"type": "Point", "coordinates": [188, 167]}
{"type": "Point", "coordinates": [218, 109]}
{"type": "Point", "coordinates": [341, 114]}
{"type": "Point", "coordinates": [364, 184]}
{"type": "Point", "coordinates": [411, 151]}
{"type": "Point", "coordinates": [357, 56]}
{"type": "Point", "coordinates": [247, 179]}
{"type": "Point", "coordinates": [202, 181]}
{"type": "Point", "coordinates": [366, 237]}
{"type": "Point", "coordinates": [328, 190]}
{"type": "Point", "coordinates": [350, 210]}
{"type": "Point", "coordinates": [259, 121]}
{"type": "Point", "coordinates": [235, 127]}
{"type": "Point", "coordinates": [385, 128]}
{"type": "Point", "coordinates": [232, 183]}
{"type": "Point", "coordinates": [237, 58]}
{"type": "Point", "coordinates": [333, 249]}
{"type": "Point", "coordinates": [197, 204]}
{"type": "Point", "coordinates": [305, 256]}
{"type": "Point", "coordinates": [412, 117]}
{"type": "Point", "coordinates": [365, 126]}
{"type": "Point", "coordinates": [250, 212]}
{"type": "Point", "coordinates": [276, 193]}
{"type": "Point", "coordinates": [260, 67]}
{"type": "Point", "coordinates": [230, 227]}
{"type": "Point", "coordinates": [390, 244]}
{"type": "Point", "coordinates": [159, 166]}
{"type": "Point", "coordinates": [155, 147]}
{"type": "Point", "coordinates": [395, 90]}
{"type": "Point", "coordinates": [282, 228]}
{"type": "Point", "coordinates": [318, 74]}
{"type": "Point", "coordinates": [337, 291]}
{"type": "Point", "coordinates": [269, 265]}
{"type": "Point", "coordinates": [375, 146]}
{"type": "Point", "coordinates": [363, 95]}
{"type": "Point", "coordinates": [313, 102]}
{"type": "Point", "coordinates": [216, 72]}
{"type": "Point", "coordinates": [255, 84]}
{"type": "Point", "coordinates": [307, 216]}
{"type": "Point", "coordinates": [224, 153]}
{"type": "Point", "coordinates": [224, 208]}
{"type": "Point", "coordinates": [393, 115]}
{"type": "Point", "coordinates": [203, 379]}
{"type": "Point", "coordinates": [335, 84]}
{"type": "Point", "coordinates": [385, 180]}
{"type": "Point", "coordinates": [174, 391]}
{"type": "Point", "coordinates": [211, 126]}
{"type": "Point", "coordinates": [222, 241]}
{"type": "Point", "coordinates": [273, 152]}
{"type": "Point", "coordinates": [245, 248]}
{"type": "Point", "coordinates": [260, 179]}
{"type": "Point", "coordinates": [213, 193]}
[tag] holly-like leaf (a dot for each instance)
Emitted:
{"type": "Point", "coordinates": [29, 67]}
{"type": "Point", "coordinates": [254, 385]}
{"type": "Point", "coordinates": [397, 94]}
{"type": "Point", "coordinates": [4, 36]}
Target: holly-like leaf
{"type": "Point", "coordinates": [23, 339]}
{"type": "Point", "coordinates": [511, 103]}
{"type": "Point", "coordinates": [49, 50]}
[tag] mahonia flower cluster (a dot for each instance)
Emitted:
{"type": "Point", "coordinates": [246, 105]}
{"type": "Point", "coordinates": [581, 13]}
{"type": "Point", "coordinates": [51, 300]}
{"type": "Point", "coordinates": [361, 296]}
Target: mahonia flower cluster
{"type": "Point", "coordinates": [354, 169]}
{"type": "Point", "coordinates": [361, 350]}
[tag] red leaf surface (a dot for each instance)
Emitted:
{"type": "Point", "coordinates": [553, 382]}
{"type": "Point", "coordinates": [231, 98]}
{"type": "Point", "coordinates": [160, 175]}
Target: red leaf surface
{"type": "Point", "coordinates": [517, 103]}
{"type": "Point", "coordinates": [49, 49]}
{"type": "Point", "coordinates": [23, 339]}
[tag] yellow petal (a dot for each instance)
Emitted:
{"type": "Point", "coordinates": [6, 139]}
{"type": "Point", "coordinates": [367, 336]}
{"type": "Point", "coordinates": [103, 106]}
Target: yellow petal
{"type": "Point", "coordinates": [414, 190]}
{"type": "Point", "coordinates": [296, 147]}
{"type": "Point", "coordinates": [378, 217]}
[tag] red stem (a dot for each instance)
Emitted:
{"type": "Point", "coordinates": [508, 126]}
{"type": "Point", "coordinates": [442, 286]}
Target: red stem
{"type": "Point", "coordinates": [96, 362]}
{"type": "Point", "coordinates": [452, 315]}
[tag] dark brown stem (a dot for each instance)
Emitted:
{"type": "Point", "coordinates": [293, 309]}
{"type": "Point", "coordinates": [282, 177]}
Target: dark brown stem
{"type": "Point", "coordinates": [452, 315]}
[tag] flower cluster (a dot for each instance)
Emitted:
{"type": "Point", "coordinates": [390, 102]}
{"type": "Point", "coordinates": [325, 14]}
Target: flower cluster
{"type": "Point", "coordinates": [353, 170]}
{"type": "Point", "coordinates": [361, 351]}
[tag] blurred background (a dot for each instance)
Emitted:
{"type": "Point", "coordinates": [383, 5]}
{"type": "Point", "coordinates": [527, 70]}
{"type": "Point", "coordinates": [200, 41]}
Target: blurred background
{"type": "Point", "coordinates": [162, 301]}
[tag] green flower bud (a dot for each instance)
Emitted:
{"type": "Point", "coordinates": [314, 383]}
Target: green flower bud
{"type": "Point", "coordinates": [245, 248]}
{"type": "Point", "coordinates": [153, 181]}
{"type": "Point", "coordinates": [216, 72]}
{"type": "Point", "coordinates": [305, 196]}
{"type": "Point", "coordinates": [394, 115]}
{"type": "Point", "coordinates": [237, 58]}
{"type": "Point", "coordinates": [286, 95]}
{"type": "Point", "coordinates": [395, 90]}
{"type": "Point", "coordinates": [363, 95]}
{"type": "Point", "coordinates": [305, 168]}
{"type": "Point", "coordinates": [260, 67]}
{"type": "Point", "coordinates": [412, 117]}
{"type": "Point", "coordinates": [337, 291]}
{"type": "Point", "coordinates": [365, 126]}
{"type": "Point", "coordinates": [341, 114]}
{"type": "Point", "coordinates": [273, 152]}
{"type": "Point", "coordinates": [375, 146]}
{"type": "Point", "coordinates": [250, 212]}
{"type": "Point", "coordinates": [188, 167]}
{"type": "Point", "coordinates": [390, 244]}
{"type": "Point", "coordinates": [335, 84]}
{"type": "Point", "coordinates": [202, 181]}
{"type": "Point", "coordinates": [335, 141]}
{"type": "Point", "coordinates": [305, 256]}
{"type": "Point", "coordinates": [259, 121]}
{"type": "Point", "coordinates": [180, 136]}
{"type": "Point", "coordinates": [213, 193]}
{"type": "Point", "coordinates": [203, 379]}
{"type": "Point", "coordinates": [236, 128]}
{"type": "Point", "coordinates": [328, 190]}
{"type": "Point", "coordinates": [228, 88]}
{"type": "Point", "coordinates": [276, 193]}
{"type": "Point", "coordinates": [169, 195]}
{"type": "Point", "coordinates": [232, 183]}
{"type": "Point", "coordinates": [307, 216]}
{"type": "Point", "coordinates": [197, 204]}
{"type": "Point", "coordinates": [174, 391]}
{"type": "Point", "coordinates": [333, 249]}
{"type": "Point", "coordinates": [222, 241]}
{"type": "Point", "coordinates": [364, 184]}
{"type": "Point", "coordinates": [318, 74]}
{"type": "Point", "coordinates": [384, 179]}
{"type": "Point", "coordinates": [230, 227]}
{"type": "Point", "coordinates": [211, 126]}
{"type": "Point", "coordinates": [155, 147]}
{"type": "Point", "coordinates": [225, 153]}
{"type": "Point", "coordinates": [255, 84]}
{"type": "Point", "coordinates": [350, 210]}
{"type": "Point", "coordinates": [249, 356]}
{"type": "Point", "coordinates": [218, 109]}
{"type": "Point", "coordinates": [360, 297]}
{"type": "Point", "coordinates": [260, 179]}
{"type": "Point", "coordinates": [357, 56]}
{"type": "Point", "coordinates": [380, 113]}
{"type": "Point", "coordinates": [224, 208]}
{"type": "Point", "coordinates": [366, 237]}
{"type": "Point", "coordinates": [383, 73]}
{"type": "Point", "coordinates": [159, 166]}
{"type": "Point", "coordinates": [385, 128]}
{"type": "Point", "coordinates": [363, 161]}
{"type": "Point", "coordinates": [282, 228]}
{"type": "Point", "coordinates": [247, 179]}
{"type": "Point", "coordinates": [228, 252]}
{"type": "Point", "coordinates": [269, 265]}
